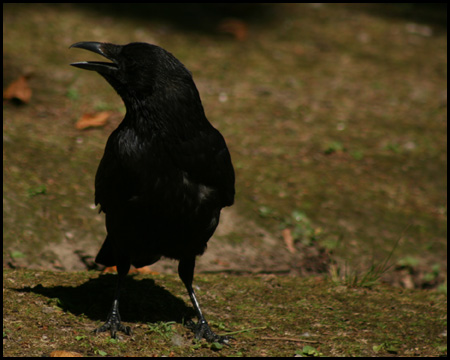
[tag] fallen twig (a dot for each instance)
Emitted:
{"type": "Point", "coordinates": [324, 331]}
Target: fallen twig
{"type": "Point", "coordinates": [245, 330]}
{"type": "Point", "coordinates": [289, 339]}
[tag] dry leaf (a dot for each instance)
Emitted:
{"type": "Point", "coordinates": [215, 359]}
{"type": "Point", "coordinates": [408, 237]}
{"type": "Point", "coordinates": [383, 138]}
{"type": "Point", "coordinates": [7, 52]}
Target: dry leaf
{"type": "Point", "coordinates": [63, 353]}
{"type": "Point", "coordinates": [221, 262]}
{"type": "Point", "coordinates": [235, 27]}
{"type": "Point", "coordinates": [133, 270]}
{"type": "Point", "coordinates": [19, 90]}
{"type": "Point", "coordinates": [146, 270]}
{"type": "Point", "coordinates": [109, 269]}
{"type": "Point", "coordinates": [93, 120]}
{"type": "Point", "coordinates": [288, 240]}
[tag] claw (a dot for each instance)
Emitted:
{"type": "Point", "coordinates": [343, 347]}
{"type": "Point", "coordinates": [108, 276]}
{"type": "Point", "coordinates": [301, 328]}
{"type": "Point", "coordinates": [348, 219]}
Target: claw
{"type": "Point", "coordinates": [114, 325]}
{"type": "Point", "coordinates": [202, 330]}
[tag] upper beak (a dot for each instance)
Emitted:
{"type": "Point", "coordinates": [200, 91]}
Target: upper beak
{"type": "Point", "coordinates": [98, 48]}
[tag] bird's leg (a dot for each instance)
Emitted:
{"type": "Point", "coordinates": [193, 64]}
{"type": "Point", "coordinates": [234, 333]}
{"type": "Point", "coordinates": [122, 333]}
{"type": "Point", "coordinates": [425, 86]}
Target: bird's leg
{"type": "Point", "coordinates": [201, 329]}
{"type": "Point", "coordinates": [113, 323]}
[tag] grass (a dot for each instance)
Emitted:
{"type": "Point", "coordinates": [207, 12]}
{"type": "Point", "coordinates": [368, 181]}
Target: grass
{"type": "Point", "coordinates": [370, 277]}
{"type": "Point", "coordinates": [163, 329]}
{"type": "Point", "coordinates": [47, 311]}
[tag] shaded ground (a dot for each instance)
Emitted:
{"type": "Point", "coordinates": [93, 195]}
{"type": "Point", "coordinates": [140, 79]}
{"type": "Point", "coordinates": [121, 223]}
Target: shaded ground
{"type": "Point", "coordinates": [331, 319]}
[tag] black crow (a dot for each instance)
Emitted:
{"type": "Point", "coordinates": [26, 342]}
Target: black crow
{"type": "Point", "coordinates": [166, 172]}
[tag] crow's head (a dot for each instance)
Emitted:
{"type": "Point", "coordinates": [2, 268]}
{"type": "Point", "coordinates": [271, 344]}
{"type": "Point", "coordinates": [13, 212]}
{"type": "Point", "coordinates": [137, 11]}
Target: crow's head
{"type": "Point", "coordinates": [137, 70]}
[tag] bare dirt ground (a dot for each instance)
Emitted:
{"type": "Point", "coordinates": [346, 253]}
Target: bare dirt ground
{"type": "Point", "coordinates": [264, 253]}
{"type": "Point", "coordinates": [336, 112]}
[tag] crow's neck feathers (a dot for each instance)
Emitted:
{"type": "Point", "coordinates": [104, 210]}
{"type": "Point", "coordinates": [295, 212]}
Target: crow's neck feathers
{"type": "Point", "coordinates": [171, 108]}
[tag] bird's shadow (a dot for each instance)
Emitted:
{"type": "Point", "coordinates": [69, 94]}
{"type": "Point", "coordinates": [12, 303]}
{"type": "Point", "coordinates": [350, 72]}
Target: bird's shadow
{"type": "Point", "coordinates": [141, 300]}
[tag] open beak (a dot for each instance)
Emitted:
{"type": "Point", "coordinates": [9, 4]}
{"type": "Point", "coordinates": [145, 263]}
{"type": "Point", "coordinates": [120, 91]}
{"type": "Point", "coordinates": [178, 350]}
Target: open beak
{"type": "Point", "coordinates": [98, 48]}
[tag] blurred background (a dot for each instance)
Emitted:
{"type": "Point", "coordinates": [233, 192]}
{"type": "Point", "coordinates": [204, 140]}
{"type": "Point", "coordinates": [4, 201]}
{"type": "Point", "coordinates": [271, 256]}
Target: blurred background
{"type": "Point", "coordinates": [335, 116]}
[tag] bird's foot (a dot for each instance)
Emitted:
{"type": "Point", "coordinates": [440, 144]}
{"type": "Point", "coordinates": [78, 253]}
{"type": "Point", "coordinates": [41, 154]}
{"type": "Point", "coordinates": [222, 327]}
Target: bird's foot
{"type": "Point", "coordinates": [114, 325]}
{"type": "Point", "coordinates": [202, 330]}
